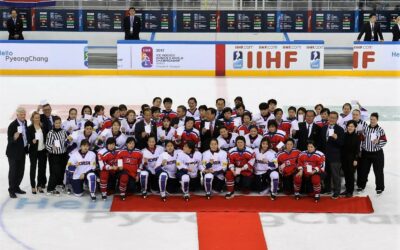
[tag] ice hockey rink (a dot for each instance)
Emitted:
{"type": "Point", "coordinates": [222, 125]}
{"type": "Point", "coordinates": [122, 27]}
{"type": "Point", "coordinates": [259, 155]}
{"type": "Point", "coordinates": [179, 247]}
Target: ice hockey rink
{"type": "Point", "coordinates": [66, 222]}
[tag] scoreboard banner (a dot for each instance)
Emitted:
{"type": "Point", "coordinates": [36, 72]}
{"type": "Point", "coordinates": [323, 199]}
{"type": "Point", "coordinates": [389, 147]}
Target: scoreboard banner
{"type": "Point", "coordinates": [56, 20]}
{"type": "Point", "coordinates": [333, 21]}
{"type": "Point", "coordinates": [23, 14]}
{"type": "Point", "coordinates": [43, 54]}
{"type": "Point", "coordinates": [275, 56]}
{"type": "Point", "coordinates": [376, 56]}
{"type": "Point", "coordinates": [165, 56]}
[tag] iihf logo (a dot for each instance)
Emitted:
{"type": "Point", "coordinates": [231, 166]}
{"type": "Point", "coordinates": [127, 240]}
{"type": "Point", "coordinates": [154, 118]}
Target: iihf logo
{"type": "Point", "coordinates": [147, 57]}
{"type": "Point", "coordinates": [315, 61]}
{"type": "Point", "coordinates": [237, 59]}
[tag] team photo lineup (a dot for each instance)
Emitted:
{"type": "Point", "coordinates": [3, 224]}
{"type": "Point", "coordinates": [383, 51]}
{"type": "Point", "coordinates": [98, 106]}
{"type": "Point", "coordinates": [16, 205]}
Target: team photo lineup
{"type": "Point", "coordinates": [197, 149]}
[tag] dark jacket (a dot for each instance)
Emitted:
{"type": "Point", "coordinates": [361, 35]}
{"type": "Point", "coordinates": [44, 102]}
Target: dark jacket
{"type": "Point", "coordinates": [302, 136]}
{"type": "Point", "coordinates": [396, 33]}
{"type": "Point", "coordinates": [46, 125]}
{"type": "Point", "coordinates": [207, 136]}
{"type": "Point", "coordinates": [15, 149]}
{"type": "Point", "coordinates": [137, 24]}
{"type": "Point", "coordinates": [141, 143]}
{"type": "Point", "coordinates": [351, 147]}
{"type": "Point", "coordinates": [15, 29]}
{"type": "Point", "coordinates": [366, 28]}
{"type": "Point", "coordinates": [331, 147]}
{"type": "Point", "coordinates": [33, 147]}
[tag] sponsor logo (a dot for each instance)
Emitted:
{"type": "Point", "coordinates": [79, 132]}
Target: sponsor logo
{"type": "Point", "coordinates": [237, 59]}
{"type": "Point", "coordinates": [315, 60]}
{"type": "Point", "coordinates": [147, 57]}
{"type": "Point", "coordinates": [86, 56]}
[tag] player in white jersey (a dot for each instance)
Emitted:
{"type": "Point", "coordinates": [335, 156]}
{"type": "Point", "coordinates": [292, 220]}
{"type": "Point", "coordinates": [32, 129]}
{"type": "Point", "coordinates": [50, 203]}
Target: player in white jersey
{"type": "Point", "coordinates": [266, 168]}
{"type": "Point", "coordinates": [151, 153]}
{"type": "Point", "coordinates": [80, 170]}
{"type": "Point", "coordinates": [193, 111]}
{"type": "Point", "coordinates": [188, 162]}
{"type": "Point", "coordinates": [165, 132]}
{"type": "Point", "coordinates": [87, 115]}
{"type": "Point", "coordinates": [261, 119]}
{"type": "Point", "coordinates": [128, 124]}
{"type": "Point", "coordinates": [71, 124]}
{"type": "Point", "coordinates": [166, 170]}
{"type": "Point", "coordinates": [226, 139]}
{"type": "Point", "coordinates": [253, 139]}
{"type": "Point", "coordinates": [213, 167]}
{"type": "Point", "coordinates": [87, 134]}
{"type": "Point", "coordinates": [115, 132]}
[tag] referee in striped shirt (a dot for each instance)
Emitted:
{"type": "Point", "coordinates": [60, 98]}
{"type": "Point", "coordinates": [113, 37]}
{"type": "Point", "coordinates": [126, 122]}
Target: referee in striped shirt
{"type": "Point", "coordinates": [56, 145]}
{"type": "Point", "coordinates": [372, 154]}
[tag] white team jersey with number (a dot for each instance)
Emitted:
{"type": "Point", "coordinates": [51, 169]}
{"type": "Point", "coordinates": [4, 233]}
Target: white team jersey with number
{"type": "Point", "coordinates": [195, 114]}
{"type": "Point", "coordinates": [189, 162]}
{"type": "Point", "coordinates": [121, 139]}
{"type": "Point", "coordinates": [170, 167]}
{"type": "Point", "coordinates": [167, 135]}
{"type": "Point", "coordinates": [152, 157]}
{"type": "Point", "coordinates": [262, 159]}
{"type": "Point", "coordinates": [343, 119]}
{"type": "Point", "coordinates": [83, 162]}
{"type": "Point", "coordinates": [128, 129]}
{"type": "Point", "coordinates": [220, 161]}
{"type": "Point", "coordinates": [261, 121]}
{"type": "Point", "coordinates": [78, 136]}
{"type": "Point", "coordinates": [227, 144]}
{"type": "Point", "coordinates": [253, 142]}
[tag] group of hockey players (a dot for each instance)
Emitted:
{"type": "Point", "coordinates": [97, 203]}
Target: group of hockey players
{"type": "Point", "coordinates": [162, 151]}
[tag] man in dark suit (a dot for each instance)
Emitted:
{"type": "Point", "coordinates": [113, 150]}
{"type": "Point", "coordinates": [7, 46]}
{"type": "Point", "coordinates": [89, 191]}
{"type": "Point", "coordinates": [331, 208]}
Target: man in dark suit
{"type": "Point", "coordinates": [396, 30]}
{"type": "Point", "coordinates": [47, 119]}
{"type": "Point", "coordinates": [17, 148]}
{"type": "Point", "coordinates": [308, 130]}
{"type": "Point", "coordinates": [331, 143]}
{"type": "Point", "coordinates": [15, 26]}
{"type": "Point", "coordinates": [132, 25]}
{"type": "Point", "coordinates": [141, 133]}
{"type": "Point", "coordinates": [371, 29]}
{"type": "Point", "coordinates": [211, 131]}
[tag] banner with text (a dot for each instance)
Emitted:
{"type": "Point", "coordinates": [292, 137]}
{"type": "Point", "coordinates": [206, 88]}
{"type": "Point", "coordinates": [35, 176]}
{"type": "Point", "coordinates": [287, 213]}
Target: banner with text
{"type": "Point", "coordinates": [43, 55]}
{"type": "Point", "coordinates": [376, 56]}
{"type": "Point", "coordinates": [165, 56]}
{"type": "Point", "coordinates": [259, 57]}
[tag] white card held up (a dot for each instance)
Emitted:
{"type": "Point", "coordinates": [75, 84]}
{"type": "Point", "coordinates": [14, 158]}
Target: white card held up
{"type": "Point", "coordinates": [19, 129]}
{"type": "Point", "coordinates": [44, 102]}
{"type": "Point", "coordinates": [295, 125]}
{"type": "Point", "coordinates": [354, 102]}
{"type": "Point", "coordinates": [374, 137]}
{"type": "Point", "coordinates": [179, 131]}
{"type": "Point", "coordinates": [300, 118]}
{"type": "Point", "coordinates": [147, 129]}
{"type": "Point", "coordinates": [238, 170]}
{"type": "Point", "coordinates": [74, 135]}
{"type": "Point", "coordinates": [165, 156]}
{"type": "Point", "coordinates": [236, 122]}
{"type": "Point", "coordinates": [120, 162]}
{"type": "Point", "coordinates": [101, 164]}
{"type": "Point", "coordinates": [162, 133]}
{"type": "Point", "coordinates": [241, 132]}
{"type": "Point", "coordinates": [309, 168]}
{"type": "Point", "coordinates": [207, 125]}
{"type": "Point", "coordinates": [331, 131]}
{"type": "Point", "coordinates": [57, 143]}
{"type": "Point", "coordinates": [359, 127]}
{"type": "Point", "coordinates": [88, 117]}
{"type": "Point", "coordinates": [280, 145]}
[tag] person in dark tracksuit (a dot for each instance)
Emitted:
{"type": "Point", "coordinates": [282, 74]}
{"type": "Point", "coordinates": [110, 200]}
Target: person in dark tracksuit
{"type": "Point", "coordinates": [372, 154]}
{"type": "Point", "coordinates": [350, 156]}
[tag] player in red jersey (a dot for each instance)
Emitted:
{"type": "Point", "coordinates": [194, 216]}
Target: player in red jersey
{"type": "Point", "coordinates": [187, 133]}
{"type": "Point", "coordinates": [311, 164]}
{"type": "Point", "coordinates": [241, 162]}
{"type": "Point", "coordinates": [115, 114]}
{"type": "Point", "coordinates": [228, 120]}
{"type": "Point", "coordinates": [283, 125]}
{"type": "Point", "coordinates": [287, 161]}
{"type": "Point", "coordinates": [324, 114]}
{"type": "Point", "coordinates": [108, 164]}
{"type": "Point", "coordinates": [276, 136]}
{"type": "Point", "coordinates": [131, 165]}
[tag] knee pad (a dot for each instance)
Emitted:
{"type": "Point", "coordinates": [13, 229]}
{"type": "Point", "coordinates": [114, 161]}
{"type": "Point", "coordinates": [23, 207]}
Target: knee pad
{"type": "Point", "coordinates": [185, 178]}
{"type": "Point", "coordinates": [315, 179]}
{"type": "Point", "coordinates": [209, 176]}
{"type": "Point", "coordinates": [274, 175]}
{"type": "Point", "coordinates": [123, 178]}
